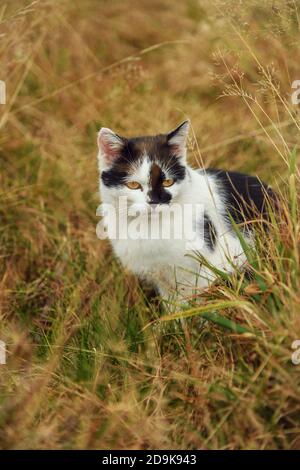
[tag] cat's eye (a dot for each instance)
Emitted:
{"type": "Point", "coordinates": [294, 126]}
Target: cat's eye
{"type": "Point", "coordinates": [168, 182]}
{"type": "Point", "coordinates": [133, 185]}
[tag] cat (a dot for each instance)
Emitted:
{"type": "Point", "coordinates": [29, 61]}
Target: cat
{"type": "Point", "coordinates": [152, 175]}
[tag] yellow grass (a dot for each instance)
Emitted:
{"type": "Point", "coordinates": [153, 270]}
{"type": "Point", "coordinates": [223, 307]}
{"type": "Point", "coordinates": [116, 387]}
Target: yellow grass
{"type": "Point", "coordinates": [84, 367]}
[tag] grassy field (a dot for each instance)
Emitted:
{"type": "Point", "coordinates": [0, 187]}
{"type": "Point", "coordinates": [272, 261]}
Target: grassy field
{"type": "Point", "coordinates": [89, 363]}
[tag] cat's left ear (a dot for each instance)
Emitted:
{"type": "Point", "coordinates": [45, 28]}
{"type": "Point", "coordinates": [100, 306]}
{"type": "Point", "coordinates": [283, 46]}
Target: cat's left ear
{"type": "Point", "coordinates": [178, 137]}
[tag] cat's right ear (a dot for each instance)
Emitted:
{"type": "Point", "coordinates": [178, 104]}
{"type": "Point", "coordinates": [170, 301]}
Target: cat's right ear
{"type": "Point", "coordinates": [110, 145]}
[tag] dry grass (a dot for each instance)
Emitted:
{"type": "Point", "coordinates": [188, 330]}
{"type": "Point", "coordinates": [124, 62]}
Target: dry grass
{"type": "Point", "coordinates": [82, 371]}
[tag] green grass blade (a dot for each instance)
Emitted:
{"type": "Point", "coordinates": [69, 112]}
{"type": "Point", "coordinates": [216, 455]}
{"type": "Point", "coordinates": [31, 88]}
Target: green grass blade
{"type": "Point", "coordinates": [209, 313]}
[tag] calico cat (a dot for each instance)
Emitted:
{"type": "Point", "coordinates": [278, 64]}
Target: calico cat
{"type": "Point", "coordinates": [151, 173]}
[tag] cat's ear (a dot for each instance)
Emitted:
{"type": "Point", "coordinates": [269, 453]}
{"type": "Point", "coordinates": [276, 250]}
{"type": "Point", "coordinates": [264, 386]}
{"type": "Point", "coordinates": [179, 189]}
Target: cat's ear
{"type": "Point", "coordinates": [110, 145]}
{"type": "Point", "coordinates": [178, 137]}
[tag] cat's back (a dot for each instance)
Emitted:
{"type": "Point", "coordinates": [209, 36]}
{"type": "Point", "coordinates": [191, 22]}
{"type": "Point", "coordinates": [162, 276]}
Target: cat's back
{"type": "Point", "coordinates": [244, 196]}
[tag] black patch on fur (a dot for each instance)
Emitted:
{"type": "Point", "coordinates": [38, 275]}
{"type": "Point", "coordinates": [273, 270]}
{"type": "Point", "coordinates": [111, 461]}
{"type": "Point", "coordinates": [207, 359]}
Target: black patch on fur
{"type": "Point", "coordinates": [210, 235]}
{"type": "Point", "coordinates": [246, 196]}
{"type": "Point", "coordinates": [113, 177]}
{"type": "Point", "coordinates": [156, 148]}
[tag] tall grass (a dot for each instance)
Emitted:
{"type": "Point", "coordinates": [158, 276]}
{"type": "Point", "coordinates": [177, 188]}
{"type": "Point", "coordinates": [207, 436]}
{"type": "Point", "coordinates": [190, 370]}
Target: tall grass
{"type": "Point", "coordinates": [89, 363]}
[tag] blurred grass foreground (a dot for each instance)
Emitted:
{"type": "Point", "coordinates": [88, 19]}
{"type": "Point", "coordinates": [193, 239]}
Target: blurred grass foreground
{"type": "Point", "coordinates": [86, 365]}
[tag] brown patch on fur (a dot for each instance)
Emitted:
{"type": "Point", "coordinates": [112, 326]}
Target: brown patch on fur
{"type": "Point", "coordinates": [155, 173]}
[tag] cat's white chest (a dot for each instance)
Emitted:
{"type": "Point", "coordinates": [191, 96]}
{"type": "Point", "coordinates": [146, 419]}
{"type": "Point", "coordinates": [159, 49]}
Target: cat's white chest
{"type": "Point", "coordinates": [145, 256]}
{"type": "Point", "coordinates": [162, 262]}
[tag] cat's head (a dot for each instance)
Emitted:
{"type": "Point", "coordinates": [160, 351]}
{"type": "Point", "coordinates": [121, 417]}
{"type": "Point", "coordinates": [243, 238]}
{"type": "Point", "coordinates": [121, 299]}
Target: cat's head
{"type": "Point", "coordinates": [147, 170]}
